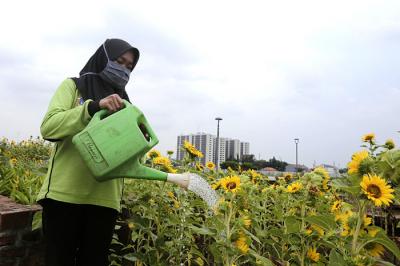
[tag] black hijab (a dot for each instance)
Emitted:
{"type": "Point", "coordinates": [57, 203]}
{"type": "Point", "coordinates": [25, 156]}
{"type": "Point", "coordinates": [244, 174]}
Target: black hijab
{"type": "Point", "coordinates": [92, 86]}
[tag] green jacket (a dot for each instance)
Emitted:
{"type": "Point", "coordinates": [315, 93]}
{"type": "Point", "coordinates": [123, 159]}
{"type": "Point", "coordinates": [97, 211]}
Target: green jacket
{"type": "Point", "coordinates": [68, 179]}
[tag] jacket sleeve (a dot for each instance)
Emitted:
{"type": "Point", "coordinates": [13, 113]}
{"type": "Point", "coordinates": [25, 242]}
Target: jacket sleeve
{"type": "Point", "coordinates": [63, 118]}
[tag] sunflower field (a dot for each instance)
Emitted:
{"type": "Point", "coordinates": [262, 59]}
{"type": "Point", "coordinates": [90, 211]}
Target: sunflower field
{"type": "Point", "coordinates": [300, 219]}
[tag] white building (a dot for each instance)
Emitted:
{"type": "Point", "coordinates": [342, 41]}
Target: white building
{"type": "Point", "coordinates": [332, 170]}
{"type": "Point", "coordinates": [244, 149]}
{"type": "Point", "coordinates": [202, 141]}
{"type": "Point", "coordinates": [232, 149]}
{"type": "Point", "coordinates": [206, 143]}
{"type": "Point", "coordinates": [221, 150]}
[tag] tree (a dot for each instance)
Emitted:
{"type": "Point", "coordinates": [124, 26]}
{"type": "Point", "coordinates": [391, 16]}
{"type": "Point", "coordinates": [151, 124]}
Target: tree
{"type": "Point", "coordinates": [248, 158]}
{"type": "Point", "coordinates": [278, 165]}
{"type": "Point", "coordinates": [232, 164]}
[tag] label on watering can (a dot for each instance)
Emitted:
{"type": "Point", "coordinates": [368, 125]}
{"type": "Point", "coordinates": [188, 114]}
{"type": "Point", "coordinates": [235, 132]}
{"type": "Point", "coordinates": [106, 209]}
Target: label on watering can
{"type": "Point", "coordinates": [91, 147]}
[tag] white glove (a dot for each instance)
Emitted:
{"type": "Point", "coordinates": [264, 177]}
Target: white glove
{"type": "Point", "coordinates": [181, 180]}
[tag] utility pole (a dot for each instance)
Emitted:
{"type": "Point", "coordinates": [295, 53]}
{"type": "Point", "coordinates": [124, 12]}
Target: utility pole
{"type": "Point", "coordinates": [217, 143]}
{"type": "Point", "coordinates": [296, 141]}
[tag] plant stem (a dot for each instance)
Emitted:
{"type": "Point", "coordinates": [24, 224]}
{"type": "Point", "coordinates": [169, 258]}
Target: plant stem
{"type": "Point", "coordinates": [303, 213]}
{"type": "Point", "coordinates": [361, 210]}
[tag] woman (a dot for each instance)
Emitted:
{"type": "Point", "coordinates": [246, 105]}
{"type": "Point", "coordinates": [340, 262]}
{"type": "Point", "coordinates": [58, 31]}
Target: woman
{"type": "Point", "coordinates": [79, 213]}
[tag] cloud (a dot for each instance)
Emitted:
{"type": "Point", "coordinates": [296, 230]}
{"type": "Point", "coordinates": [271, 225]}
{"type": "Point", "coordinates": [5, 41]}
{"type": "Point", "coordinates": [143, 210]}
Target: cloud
{"type": "Point", "coordinates": [323, 72]}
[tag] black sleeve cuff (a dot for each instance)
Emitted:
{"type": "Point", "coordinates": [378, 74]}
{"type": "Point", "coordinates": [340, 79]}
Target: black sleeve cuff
{"type": "Point", "coordinates": [93, 107]}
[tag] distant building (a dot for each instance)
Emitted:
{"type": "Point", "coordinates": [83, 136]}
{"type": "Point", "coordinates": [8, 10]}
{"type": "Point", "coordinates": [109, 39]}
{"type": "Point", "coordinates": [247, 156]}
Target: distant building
{"type": "Point", "coordinates": [293, 168]}
{"type": "Point", "coordinates": [269, 171]}
{"type": "Point", "coordinates": [221, 150]}
{"type": "Point", "coordinates": [333, 171]}
{"type": "Point", "coordinates": [206, 143]}
{"type": "Point", "coordinates": [202, 141]}
{"type": "Point", "coordinates": [244, 149]}
{"type": "Point", "coordinates": [232, 149]}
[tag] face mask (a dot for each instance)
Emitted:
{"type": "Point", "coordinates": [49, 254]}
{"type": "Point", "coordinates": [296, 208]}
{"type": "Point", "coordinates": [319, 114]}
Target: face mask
{"type": "Point", "coordinates": [114, 73]}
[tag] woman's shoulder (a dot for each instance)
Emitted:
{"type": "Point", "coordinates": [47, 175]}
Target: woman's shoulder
{"type": "Point", "coordinates": [67, 86]}
{"type": "Point", "coordinates": [69, 82]}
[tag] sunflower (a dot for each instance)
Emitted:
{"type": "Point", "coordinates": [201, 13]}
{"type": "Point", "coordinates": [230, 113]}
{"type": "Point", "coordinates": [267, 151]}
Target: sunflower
{"type": "Point", "coordinates": [313, 255]}
{"type": "Point", "coordinates": [343, 216]}
{"type": "Point", "coordinates": [322, 172]}
{"type": "Point", "coordinates": [336, 206]}
{"type": "Point", "coordinates": [318, 229]}
{"type": "Point", "coordinates": [153, 154]}
{"type": "Point", "coordinates": [171, 194]}
{"type": "Point", "coordinates": [346, 230]}
{"type": "Point", "coordinates": [254, 176]}
{"type": "Point", "coordinates": [246, 221]}
{"type": "Point", "coordinates": [372, 231]}
{"type": "Point", "coordinates": [367, 220]}
{"type": "Point", "coordinates": [356, 161]}
{"type": "Point", "coordinates": [216, 185]}
{"type": "Point", "coordinates": [169, 169]}
{"type": "Point", "coordinates": [160, 160]}
{"type": "Point", "coordinates": [165, 163]}
{"type": "Point", "coordinates": [325, 184]}
{"type": "Point", "coordinates": [193, 152]}
{"type": "Point", "coordinates": [199, 167]}
{"type": "Point", "coordinates": [288, 177]}
{"type": "Point", "coordinates": [376, 250]}
{"type": "Point", "coordinates": [376, 189]}
{"type": "Point", "coordinates": [241, 243]}
{"type": "Point", "coordinates": [210, 165]}
{"type": "Point", "coordinates": [293, 188]}
{"type": "Point", "coordinates": [368, 137]}
{"type": "Point", "coordinates": [389, 144]}
{"type": "Point", "coordinates": [230, 183]}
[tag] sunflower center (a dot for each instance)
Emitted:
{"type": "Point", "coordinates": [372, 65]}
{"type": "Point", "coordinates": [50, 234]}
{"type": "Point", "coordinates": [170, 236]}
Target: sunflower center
{"type": "Point", "coordinates": [374, 190]}
{"type": "Point", "coordinates": [231, 185]}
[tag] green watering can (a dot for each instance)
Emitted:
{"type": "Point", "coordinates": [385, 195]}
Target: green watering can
{"type": "Point", "coordinates": [112, 145]}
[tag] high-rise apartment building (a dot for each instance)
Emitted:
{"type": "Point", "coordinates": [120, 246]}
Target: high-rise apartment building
{"type": "Point", "coordinates": [202, 141]}
{"type": "Point", "coordinates": [221, 150]}
{"type": "Point", "coordinates": [244, 149]}
{"type": "Point", "coordinates": [232, 149]}
{"type": "Point", "coordinates": [206, 143]}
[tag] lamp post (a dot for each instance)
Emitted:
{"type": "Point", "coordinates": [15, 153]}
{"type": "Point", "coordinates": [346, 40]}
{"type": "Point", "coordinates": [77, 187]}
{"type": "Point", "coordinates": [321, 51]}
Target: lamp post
{"type": "Point", "coordinates": [296, 141]}
{"type": "Point", "coordinates": [217, 143]}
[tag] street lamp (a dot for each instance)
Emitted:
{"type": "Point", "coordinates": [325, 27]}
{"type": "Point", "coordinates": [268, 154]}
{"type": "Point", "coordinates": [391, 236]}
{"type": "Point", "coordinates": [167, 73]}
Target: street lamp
{"type": "Point", "coordinates": [217, 143]}
{"type": "Point", "coordinates": [296, 141]}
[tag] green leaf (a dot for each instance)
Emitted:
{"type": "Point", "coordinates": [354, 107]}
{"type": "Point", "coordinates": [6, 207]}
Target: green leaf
{"type": "Point", "coordinates": [201, 230]}
{"type": "Point", "coordinates": [195, 251]}
{"type": "Point", "coordinates": [292, 225]}
{"type": "Point", "coordinates": [384, 240]}
{"type": "Point", "coordinates": [382, 262]}
{"type": "Point", "coordinates": [343, 185]}
{"type": "Point", "coordinates": [328, 244]}
{"type": "Point", "coordinates": [336, 259]}
{"type": "Point", "coordinates": [252, 236]}
{"type": "Point", "coordinates": [327, 222]}
{"type": "Point", "coordinates": [264, 261]}
{"type": "Point", "coordinates": [130, 257]}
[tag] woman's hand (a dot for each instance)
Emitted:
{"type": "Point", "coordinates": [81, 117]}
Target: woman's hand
{"type": "Point", "coordinates": [112, 103]}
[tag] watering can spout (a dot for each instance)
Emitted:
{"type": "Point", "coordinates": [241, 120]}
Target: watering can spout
{"type": "Point", "coordinates": [134, 169]}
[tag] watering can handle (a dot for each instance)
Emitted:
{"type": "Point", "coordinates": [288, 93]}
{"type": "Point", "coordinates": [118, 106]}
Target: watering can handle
{"type": "Point", "coordinates": [104, 112]}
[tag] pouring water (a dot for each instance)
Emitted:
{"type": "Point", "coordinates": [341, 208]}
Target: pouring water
{"type": "Point", "coordinates": [197, 185]}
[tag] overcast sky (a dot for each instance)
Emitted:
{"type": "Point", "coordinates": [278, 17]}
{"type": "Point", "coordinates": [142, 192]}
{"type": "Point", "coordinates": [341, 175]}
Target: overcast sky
{"type": "Point", "coordinates": [325, 73]}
